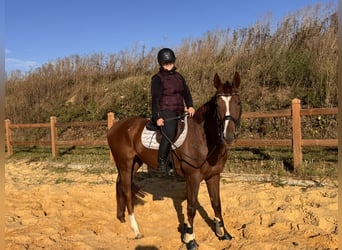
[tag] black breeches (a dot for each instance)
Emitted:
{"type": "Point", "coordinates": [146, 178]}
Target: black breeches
{"type": "Point", "coordinates": [170, 126]}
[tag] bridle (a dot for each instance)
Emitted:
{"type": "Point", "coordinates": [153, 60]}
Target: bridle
{"type": "Point", "coordinates": [220, 122]}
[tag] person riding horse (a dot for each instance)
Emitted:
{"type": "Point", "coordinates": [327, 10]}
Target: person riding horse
{"type": "Point", "coordinates": [169, 92]}
{"type": "Point", "coordinates": [201, 156]}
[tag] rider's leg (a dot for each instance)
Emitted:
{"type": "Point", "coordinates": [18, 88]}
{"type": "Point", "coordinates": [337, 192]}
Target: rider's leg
{"type": "Point", "coordinates": [168, 132]}
{"type": "Point", "coordinates": [163, 153]}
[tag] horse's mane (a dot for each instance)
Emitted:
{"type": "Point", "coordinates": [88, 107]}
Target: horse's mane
{"type": "Point", "coordinates": [204, 110]}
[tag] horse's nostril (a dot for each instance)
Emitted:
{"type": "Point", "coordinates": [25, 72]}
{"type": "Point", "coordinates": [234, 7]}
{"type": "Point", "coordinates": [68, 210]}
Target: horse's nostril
{"type": "Point", "coordinates": [229, 138]}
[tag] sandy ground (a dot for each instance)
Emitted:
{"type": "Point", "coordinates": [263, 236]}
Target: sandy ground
{"type": "Point", "coordinates": [68, 206]}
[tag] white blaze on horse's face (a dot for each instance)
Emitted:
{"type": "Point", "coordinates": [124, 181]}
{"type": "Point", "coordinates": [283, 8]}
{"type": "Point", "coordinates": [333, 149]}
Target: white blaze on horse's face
{"type": "Point", "coordinates": [229, 133]}
{"type": "Point", "coordinates": [226, 100]}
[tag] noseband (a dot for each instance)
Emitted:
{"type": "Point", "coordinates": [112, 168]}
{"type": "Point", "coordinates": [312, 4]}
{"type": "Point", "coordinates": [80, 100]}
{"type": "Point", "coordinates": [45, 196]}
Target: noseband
{"type": "Point", "coordinates": [231, 118]}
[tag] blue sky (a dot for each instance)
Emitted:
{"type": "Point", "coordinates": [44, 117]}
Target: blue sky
{"type": "Point", "coordinates": [41, 31]}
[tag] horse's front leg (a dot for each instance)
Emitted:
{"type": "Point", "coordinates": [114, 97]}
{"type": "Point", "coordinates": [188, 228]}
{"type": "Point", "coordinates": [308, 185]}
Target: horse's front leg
{"type": "Point", "coordinates": [213, 185]}
{"type": "Point", "coordinates": [192, 188]}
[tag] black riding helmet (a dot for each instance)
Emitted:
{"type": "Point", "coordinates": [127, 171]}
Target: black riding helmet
{"type": "Point", "coordinates": [166, 55]}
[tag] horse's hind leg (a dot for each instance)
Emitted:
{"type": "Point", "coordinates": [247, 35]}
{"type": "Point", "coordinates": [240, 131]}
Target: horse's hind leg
{"type": "Point", "coordinates": [120, 194]}
{"type": "Point", "coordinates": [213, 185]}
{"type": "Point", "coordinates": [124, 189]}
{"type": "Point", "coordinates": [120, 201]}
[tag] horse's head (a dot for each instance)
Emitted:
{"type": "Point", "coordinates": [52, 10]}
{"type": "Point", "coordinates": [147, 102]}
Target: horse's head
{"type": "Point", "coordinates": [228, 108]}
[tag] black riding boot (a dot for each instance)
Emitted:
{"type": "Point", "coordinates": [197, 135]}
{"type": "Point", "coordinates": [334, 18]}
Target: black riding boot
{"type": "Point", "coordinates": [163, 154]}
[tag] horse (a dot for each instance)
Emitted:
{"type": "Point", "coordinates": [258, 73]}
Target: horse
{"type": "Point", "coordinates": [201, 157]}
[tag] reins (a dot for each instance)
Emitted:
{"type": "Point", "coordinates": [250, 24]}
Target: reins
{"type": "Point", "coordinates": [177, 117]}
{"type": "Point", "coordinates": [170, 119]}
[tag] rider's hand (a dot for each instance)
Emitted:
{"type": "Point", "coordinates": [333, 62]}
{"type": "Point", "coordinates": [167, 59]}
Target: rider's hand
{"type": "Point", "coordinates": [191, 111]}
{"type": "Point", "coordinates": [160, 122]}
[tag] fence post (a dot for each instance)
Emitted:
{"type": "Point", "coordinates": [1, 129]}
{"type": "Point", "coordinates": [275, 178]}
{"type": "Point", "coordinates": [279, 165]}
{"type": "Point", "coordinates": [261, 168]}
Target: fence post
{"type": "Point", "coordinates": [110, 122]}
{"type": "Point", "coordinates": [296, 134]}
{"type": "Point", "coordinates": [53, 128]}
{"type": "Point", "coordinates": [8, 137]}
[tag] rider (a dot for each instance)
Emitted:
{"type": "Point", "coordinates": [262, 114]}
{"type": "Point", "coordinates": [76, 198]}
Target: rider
{"type": "Point", "coordinates": [169, 93]}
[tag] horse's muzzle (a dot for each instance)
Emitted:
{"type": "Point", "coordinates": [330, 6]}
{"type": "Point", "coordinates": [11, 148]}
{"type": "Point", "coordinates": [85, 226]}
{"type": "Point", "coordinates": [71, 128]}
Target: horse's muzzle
{"type": "Point", "coordinates": [230, 134]}
{"type": "Point", "coordinates": [230, 138]}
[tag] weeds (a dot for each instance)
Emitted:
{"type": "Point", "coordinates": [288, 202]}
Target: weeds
{"type": "Point", "coordinates": [295, 59]}
{"type": "Point", "coordinates": [63, 180]}
{"type": "Point", "coordinates": [274, 162]}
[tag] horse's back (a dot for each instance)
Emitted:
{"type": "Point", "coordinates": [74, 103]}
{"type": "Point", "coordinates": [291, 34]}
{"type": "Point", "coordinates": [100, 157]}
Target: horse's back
{"type": "Point", "coordinates": [125, 131]}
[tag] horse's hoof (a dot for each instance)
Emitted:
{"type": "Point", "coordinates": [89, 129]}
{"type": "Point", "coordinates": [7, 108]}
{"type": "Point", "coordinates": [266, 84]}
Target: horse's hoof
{"type": "Point", "coordinates": [192, 245]}
{"type": "Point", "coordinates": [121, 219]}
{"type": "Point", "coordinates": [138, 236]}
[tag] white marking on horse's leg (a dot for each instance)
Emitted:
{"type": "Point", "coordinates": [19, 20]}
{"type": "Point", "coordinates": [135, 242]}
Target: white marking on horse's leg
{"type": "Point", "coordinates": [219, 229]}
{"type": "Point", "coordinates": [134, 225]}
{"type": "Point", "coordinates": [188, 236]}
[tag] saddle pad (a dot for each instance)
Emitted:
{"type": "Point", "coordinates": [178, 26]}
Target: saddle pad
{"type": "Point", "coordinates": [149, 137]}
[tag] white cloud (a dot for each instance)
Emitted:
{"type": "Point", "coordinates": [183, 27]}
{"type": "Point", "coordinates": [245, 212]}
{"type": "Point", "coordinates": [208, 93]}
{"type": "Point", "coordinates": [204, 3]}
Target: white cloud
{"type": "Point", "coordinates": [12, 64]}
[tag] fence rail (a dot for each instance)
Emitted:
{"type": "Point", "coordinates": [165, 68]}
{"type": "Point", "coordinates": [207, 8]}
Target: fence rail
{"type": "Point", "coordinates": [296, 142]}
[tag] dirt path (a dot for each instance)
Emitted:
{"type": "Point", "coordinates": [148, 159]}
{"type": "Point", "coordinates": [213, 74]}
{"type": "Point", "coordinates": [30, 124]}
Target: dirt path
{"type": "Point", "coordinates": [57, 206]}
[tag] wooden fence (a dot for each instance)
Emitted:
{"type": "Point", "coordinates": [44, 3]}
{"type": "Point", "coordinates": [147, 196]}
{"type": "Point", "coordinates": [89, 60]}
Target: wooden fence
{"type": "Point", "coordinates": [296, 142]}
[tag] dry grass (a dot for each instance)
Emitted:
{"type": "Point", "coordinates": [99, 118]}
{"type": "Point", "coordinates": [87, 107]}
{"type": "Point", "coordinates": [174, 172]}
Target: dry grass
{"type": "Point", "coordinates": [295, 59]}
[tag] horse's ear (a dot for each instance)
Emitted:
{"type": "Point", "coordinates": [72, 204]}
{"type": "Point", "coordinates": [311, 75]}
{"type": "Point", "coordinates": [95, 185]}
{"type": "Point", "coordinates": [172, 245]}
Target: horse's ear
{"type": "Point", "coordinates": [217, 81]}
{"type": "Point", "coordinates": [236, 80]}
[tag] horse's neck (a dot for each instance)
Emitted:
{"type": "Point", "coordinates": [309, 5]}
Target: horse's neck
{"type": "Point", "coordinates": [205, 116]}
{"type": "Point", "coordinates": [203, 113]}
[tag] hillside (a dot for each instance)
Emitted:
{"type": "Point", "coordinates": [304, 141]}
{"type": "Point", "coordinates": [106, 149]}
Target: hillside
{"type": "Point", "coordinates": [295, 58]}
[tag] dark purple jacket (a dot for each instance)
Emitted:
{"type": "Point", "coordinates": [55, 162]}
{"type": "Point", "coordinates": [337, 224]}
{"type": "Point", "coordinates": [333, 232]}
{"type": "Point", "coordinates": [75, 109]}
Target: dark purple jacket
{"type": "Point", "coordinates": [169, 92]}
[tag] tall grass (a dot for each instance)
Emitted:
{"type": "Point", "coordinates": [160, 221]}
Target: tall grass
{"type": "Point", "coordinates": [295, 58]}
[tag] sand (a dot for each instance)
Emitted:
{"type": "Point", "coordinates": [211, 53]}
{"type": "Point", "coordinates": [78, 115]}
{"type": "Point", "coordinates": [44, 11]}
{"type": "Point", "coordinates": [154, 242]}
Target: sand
{"type": "Point", "coordinates": [51, 205]}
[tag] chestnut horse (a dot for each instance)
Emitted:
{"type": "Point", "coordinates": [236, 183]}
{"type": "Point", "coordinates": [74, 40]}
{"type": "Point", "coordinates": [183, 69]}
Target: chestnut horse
{"type": "Point", "coordinates": [202, 156]}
